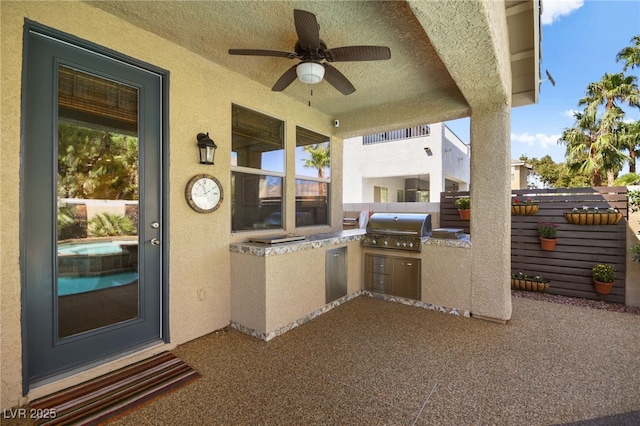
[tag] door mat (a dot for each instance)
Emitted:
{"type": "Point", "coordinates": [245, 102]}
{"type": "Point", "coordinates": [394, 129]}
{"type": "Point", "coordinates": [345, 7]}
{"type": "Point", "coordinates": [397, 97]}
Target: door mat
{"type": "Point", "coordinates": [97, 400]}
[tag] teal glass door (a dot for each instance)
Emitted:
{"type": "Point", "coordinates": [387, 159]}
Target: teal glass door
{"type": "Point", "coordinates": [92, 228]}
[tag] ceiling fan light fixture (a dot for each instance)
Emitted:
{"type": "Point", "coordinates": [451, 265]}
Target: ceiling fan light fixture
{"type": "Point", "coordinates": [310, 72]}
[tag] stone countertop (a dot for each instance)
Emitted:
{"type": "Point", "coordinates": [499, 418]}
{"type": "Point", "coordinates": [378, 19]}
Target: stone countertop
{"type": "Point", "coordinates": [329, 239]}
{"type": "Point", "coordinates": [463, 242]}
{"type": "Point", "coordinates": [310, 242]}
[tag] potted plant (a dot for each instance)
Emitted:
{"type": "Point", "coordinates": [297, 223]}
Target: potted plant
{"type": "Point", "coordinates": [603, 278]}
{"type": "Point", "coordinates": [524, 207]}
{"type": "Point", "coordinates": [521, 281]}
{"type": "Point", "coordinates": [463, 204]}
{"type": "Point", "coordinates": [593, 216]}
{"type": "Point", "coordinates": [547, 233]}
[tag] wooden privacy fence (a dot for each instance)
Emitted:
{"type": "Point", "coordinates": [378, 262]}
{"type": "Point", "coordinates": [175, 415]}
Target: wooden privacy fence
{"type": "Point", "coordinates": [449, 216]}
{"type": "Point", "coordinates": [579, 247]}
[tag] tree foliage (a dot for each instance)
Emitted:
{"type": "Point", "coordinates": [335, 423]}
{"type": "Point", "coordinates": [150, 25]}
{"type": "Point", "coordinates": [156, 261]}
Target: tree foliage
{"type": "Point", "coordinates": [627, 180]}
{"type": "Point", "coordinates": [555, 175]}
{"type": "Point", "coordinates": [96, 164]}
{"type": "Point", "coordinates": [110, 225]}
{"type": "Point", "coordinates": [630, 54]}
{"type": "Point", "coordinates": [320, 157]}
{"type": "Point", "coordinates": [600, 141]}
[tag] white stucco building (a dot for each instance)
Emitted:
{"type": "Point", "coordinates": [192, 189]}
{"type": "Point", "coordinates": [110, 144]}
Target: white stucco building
{"type": "Point", "coordinates": [414, 164]}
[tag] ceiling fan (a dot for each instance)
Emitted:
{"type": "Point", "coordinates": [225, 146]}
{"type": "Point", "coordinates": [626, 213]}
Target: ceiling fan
{"type": "Point", "coordinates": [315, 57]}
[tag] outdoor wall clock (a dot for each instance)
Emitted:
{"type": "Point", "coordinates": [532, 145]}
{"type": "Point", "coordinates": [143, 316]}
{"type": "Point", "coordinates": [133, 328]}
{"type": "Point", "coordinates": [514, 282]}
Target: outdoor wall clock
{"type": "Point", "coordinates": [204, 193]}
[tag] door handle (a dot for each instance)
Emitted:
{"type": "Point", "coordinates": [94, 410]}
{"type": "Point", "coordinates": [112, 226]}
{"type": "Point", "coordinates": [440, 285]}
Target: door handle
{"type": "Point", "coordinates": [154, 242]}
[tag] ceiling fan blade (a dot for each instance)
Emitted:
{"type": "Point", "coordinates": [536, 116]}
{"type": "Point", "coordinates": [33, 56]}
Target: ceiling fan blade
{"type": "Point", "coordinates": [307, 28]}
{"type": "Point", "coordinates": [338, 80]}
{"type": "Point", "coordinates": [263, 52]}
{"type": "Point", "coordinates": [358, 53]}
{"type": "Point", "coordinates": [285, 80]}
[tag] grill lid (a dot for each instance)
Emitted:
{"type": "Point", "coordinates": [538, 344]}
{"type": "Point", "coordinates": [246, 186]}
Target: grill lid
{"type": "Point", "coordinates": [409, 224]}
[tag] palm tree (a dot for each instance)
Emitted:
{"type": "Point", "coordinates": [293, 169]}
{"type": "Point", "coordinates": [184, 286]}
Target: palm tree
{"type": "Point", "coordinates": [580, 141]}
{"type": "Point", "coordinates": [609, 143]}
{"type": "Point", "coordinates": [629, 138]}
{"type": "Point", "coordinates": [630, 54]}
{"type": "Point", "coordinates": [609, 90]}
{"type": "Point", "coordinates": [591, 145]}
{"type": "Point", "coordinates": [320, 157]}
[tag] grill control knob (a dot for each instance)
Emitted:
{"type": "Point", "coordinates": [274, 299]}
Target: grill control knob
{"type": "Point", "coordinates": [410, 244]}
{"type": "Point", "coordinates": [397, 243]}
{"type": "Point", "coordinates": [385, 242]}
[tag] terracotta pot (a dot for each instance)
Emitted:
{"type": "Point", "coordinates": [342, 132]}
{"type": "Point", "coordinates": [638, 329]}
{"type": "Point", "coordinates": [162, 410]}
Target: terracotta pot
{"type": "Point", "coordinates": [601, 287]}
{"type": "Point", "coordinates": [548, 244]}
{"type": "Point", "coordinates": [524, 210]}
{"type": "Point", "coordinates": [465, 214]}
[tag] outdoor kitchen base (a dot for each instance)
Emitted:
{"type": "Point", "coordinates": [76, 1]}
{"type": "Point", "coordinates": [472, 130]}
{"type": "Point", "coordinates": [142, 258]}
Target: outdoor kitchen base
{"type": "Point", "coordinates": [281, 330]}
{"type": "Point", "coordinates": [418, 304]}
{"type": "Point", "coordinates": [395, 299]}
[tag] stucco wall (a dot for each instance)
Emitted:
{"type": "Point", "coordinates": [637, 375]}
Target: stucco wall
{"type": "Point", "coordinates": [200, 97]}
{"type": "Point", "coordinates": [270, 292]}
{"type": "Point", "coordinates": [248, 290]}
{"type": "Point", "coordinates": [491, 219]}
{"type": "Point", "coordinates": [382, 163]}
{"type": "Point", "coordinates": [446, 280]}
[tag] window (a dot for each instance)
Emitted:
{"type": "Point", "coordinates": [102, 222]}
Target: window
{"type": "Point", "coordinates": [313, 176]}
{"type": "Point", "coordinates": [257, 170]}
{"type": "Point", "coordinates": [380, 194]}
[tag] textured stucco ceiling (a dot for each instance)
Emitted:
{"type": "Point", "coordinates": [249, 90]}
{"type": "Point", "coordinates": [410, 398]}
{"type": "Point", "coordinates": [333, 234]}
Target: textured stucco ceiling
{"type": "Point", "coordinates": [413, 86]}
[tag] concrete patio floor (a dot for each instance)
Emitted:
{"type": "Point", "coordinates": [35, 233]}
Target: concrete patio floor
{"type": "Point", "coordinates": [371, 362]}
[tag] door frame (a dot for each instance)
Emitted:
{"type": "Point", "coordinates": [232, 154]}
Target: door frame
{"type": "Point", "coordinates": [163, 193]}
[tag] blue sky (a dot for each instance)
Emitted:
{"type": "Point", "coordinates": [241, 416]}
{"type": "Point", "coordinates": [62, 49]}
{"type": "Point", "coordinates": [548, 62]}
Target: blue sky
{"type": "Point", "coordinates": [580, 40]}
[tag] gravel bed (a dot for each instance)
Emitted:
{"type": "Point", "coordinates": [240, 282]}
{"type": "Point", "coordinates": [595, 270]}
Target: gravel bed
{"type": "Point", "coordinates": [576, 301]}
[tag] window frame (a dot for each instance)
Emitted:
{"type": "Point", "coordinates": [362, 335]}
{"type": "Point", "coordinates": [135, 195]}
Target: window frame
{"type": "Point", "coordinates": [258, 173]}
{"type": "Point", "coordinates": [325, 180]}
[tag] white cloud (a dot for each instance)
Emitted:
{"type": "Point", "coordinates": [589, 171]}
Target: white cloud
{"type": "Point", "coordinates": [539, 139]}
{"type": "Point", "coordinates": [570, 113]}
{"type": "Point", "coordinates": [552, 10]}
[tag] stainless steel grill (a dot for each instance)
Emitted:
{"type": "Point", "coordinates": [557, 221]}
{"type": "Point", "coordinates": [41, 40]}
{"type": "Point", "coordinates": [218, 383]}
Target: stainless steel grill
{"type": "Point", "coordinates": [397, 231]}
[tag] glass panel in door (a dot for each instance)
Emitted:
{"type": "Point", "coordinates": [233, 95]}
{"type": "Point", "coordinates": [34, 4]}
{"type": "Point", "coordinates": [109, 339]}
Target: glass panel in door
{"type": "Point", "coordinates": [97, 194]}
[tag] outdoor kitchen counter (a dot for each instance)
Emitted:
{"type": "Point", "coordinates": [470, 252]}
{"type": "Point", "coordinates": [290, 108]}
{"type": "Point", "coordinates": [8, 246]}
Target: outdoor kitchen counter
{"type": "Point", "coordinates": [275, 288]}
{"type": "Point", "coordinates": [329, 239]}
{"type": "Point", "coordinates": [310, 242]}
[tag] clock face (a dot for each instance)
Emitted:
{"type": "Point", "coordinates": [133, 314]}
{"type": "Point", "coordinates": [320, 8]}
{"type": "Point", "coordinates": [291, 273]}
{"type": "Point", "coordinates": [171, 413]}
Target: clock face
{"type": "Point", "coordinates": [204, 193]}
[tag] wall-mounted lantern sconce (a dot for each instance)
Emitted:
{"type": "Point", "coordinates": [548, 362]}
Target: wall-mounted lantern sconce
{"type": "Point", "coordinates": [207, 148]}
{"type": "Point", "coordinates": [428, 151]}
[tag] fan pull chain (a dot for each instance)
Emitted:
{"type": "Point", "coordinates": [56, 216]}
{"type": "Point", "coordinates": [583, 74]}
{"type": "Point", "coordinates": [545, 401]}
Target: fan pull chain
{"type": "Point", "coordinates": [311, 90]}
